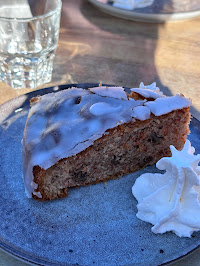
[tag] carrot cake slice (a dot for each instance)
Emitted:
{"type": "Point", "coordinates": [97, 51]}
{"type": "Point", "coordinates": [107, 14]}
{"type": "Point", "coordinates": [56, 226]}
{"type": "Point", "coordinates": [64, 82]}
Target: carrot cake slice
{"type": "Point", "coordinates": [78, 137]}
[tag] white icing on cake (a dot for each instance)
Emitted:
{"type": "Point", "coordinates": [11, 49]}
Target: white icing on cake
{"type": "Point", "coordinates": [141, 113]}
{"type": "Point", "coordinates": [103, 108]}
{"type": "Point", "coordinates": [165, 105]}
{"type": "Point", "coordinates": [113, 92]}
{"type": "Point", "coordinates": [171, 201]}
{"type": "Point", "coordinates": [65, 123]}
{"type": "Point", "coordinates": [148, 91]}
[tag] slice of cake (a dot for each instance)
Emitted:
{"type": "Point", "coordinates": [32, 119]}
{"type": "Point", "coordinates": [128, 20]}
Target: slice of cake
{"type": "Point", "coordinates": [79, 137]}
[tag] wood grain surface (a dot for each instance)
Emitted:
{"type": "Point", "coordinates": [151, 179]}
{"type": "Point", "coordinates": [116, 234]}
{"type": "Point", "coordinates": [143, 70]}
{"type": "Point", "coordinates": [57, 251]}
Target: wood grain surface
{"type": "Point", "coordinates": [96, 47]}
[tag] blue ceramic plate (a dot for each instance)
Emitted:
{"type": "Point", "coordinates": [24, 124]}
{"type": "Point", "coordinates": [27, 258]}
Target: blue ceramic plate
{"type": "Point", "coordinates": [95, 225]}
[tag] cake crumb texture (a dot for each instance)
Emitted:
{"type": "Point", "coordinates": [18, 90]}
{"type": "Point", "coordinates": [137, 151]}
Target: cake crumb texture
{"type": "Point", "coordinates": [124, 150]}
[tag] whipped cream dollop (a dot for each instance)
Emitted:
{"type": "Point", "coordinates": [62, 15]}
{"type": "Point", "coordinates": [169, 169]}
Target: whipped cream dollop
{"type": "Point", "coordinates": [171, 201]}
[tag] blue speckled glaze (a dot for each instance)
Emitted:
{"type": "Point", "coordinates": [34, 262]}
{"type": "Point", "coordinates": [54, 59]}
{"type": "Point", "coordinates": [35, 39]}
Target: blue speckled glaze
{"type": "Point", "coordinates": [95, 225]}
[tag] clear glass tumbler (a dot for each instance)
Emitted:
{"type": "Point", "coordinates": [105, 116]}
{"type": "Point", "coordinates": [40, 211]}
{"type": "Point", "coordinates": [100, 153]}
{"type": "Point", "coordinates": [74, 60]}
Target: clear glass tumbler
{"type": "Point", "coordinates": [29, 32]}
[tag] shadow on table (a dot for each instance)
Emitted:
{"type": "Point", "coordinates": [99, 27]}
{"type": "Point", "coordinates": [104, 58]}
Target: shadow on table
{"type": "Point", "coordinates": [138, 61]}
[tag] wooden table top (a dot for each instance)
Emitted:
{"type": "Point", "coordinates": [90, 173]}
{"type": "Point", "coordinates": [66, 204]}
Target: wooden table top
{"type": "Point", "coordinates": [95, 47]}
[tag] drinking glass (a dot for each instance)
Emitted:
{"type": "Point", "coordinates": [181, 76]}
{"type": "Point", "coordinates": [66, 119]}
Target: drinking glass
{"type": "Point", "coordinates": [29, 32]}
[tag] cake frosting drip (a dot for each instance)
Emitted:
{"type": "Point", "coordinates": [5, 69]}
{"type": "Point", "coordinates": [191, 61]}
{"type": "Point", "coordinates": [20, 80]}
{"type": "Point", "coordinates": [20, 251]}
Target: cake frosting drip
{"type": "Point", "coordinates": [64, 123]}
{"type": "Point", "coordinates": [171, 201]}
